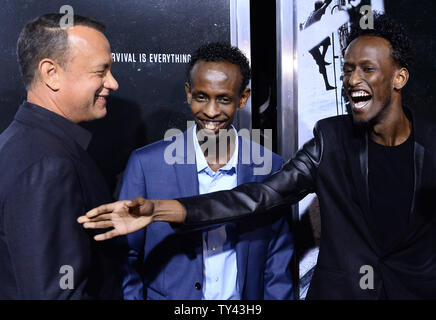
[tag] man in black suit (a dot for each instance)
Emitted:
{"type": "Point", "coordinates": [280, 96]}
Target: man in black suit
{"type": "Point", "coordinates": [48, 178]}
{"type": "Point", "coordinates": [374, 172]}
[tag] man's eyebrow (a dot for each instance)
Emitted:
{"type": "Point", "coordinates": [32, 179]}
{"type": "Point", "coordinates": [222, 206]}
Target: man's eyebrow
{"type": "Point", "coordinates": [224, 95]}
{"type": "Point", "coordinates": [198, 92]}
{"type": "Point", "coordinates": [103, 66]}
{"type": "Point", "coordinates": [366, 61]}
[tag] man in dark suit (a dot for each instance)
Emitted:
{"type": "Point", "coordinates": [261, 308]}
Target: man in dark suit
{"type": "Point", "coordinates": [245, 260]}
{"type": "Point", "coordinates": [374, 172]}
{"type": "Point", "coordinates": [48, 178]}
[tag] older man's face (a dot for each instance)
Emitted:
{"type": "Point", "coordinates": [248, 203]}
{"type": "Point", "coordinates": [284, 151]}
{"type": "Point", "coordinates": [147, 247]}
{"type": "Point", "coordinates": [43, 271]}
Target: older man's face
{"type": "Point", "coordinates": [86, 81]}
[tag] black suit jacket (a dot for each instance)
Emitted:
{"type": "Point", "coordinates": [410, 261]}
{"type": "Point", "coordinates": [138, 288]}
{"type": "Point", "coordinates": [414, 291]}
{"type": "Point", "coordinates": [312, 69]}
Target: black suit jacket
{"type": "Point", "coordinates": [334, 164]}
{"type": "Point", "coordinates": [47, 181]}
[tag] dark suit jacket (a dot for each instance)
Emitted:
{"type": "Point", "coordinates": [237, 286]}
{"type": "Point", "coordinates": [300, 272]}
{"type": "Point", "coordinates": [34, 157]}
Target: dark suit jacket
{"type": "Point", "coordinates": [165, 265]}
{"type": "Point", "coordinates": [334, 164]}
{"type": "Point", "coordinates": [47, 181]}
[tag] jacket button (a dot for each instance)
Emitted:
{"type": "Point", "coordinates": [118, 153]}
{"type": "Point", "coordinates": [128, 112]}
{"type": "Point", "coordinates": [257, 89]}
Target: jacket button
{"type": "Point", "coordinates": [198, 286]}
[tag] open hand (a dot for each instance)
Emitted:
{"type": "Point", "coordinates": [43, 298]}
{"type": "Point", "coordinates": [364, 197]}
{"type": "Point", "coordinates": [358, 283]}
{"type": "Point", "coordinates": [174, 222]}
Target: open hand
{"type": "Point", "coordinates": [124, 216]}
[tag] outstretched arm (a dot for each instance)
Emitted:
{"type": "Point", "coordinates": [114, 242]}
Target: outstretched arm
{"type": "Point", "coordinates": [293, 182]}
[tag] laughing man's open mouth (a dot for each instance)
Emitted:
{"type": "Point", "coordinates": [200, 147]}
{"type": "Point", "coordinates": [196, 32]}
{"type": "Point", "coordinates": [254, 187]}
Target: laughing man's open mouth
{"type": "Point", "coordinates": [360, 99]}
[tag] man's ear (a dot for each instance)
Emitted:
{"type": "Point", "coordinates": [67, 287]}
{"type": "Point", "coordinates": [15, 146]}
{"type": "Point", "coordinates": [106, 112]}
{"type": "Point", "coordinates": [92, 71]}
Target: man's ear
{"type": "Point", "coordinates": [400, 79]}
{"type": "Point", "coordinates": [49, 72]}
{"type": "Point", "coordinates": [188, 93]}
{"type": "Point", "coordinates": [244, 98]}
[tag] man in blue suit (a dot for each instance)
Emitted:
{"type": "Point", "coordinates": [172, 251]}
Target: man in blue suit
{"type": "Point", "coordinates": [244, 260]}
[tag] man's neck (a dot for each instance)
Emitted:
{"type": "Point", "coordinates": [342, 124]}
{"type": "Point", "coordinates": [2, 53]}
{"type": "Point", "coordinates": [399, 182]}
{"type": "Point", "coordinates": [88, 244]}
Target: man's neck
{"type": "Point", "coordinates": [217, 159]}
{"type": "Point", "coordinates": [33, 96]}
{"type": "Point", "coordinates": [392, 129]}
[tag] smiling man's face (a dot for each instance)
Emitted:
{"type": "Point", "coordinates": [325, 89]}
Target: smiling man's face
{"type": "Point", "coordinates": [87, 80]}
{"type": "Point", "coordinates": [369, 71]}
{"type": "Point", "coordinates": [214, 95]}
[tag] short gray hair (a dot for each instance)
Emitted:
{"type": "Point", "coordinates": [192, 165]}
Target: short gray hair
{"type": "Point", "coordinates": [43, 38]}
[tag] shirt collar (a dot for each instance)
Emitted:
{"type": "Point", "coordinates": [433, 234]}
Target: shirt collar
{"type": "Point", "coordinates": [201, 160]}
{"type": "Point", "coordinates": [41, 117]}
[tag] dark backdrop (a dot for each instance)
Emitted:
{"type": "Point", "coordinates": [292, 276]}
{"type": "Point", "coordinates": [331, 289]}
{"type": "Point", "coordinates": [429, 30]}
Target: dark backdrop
{"type": "Point", "coordinates": [151, 97]}
{"type": "Point", "coordinates": [419, 18]}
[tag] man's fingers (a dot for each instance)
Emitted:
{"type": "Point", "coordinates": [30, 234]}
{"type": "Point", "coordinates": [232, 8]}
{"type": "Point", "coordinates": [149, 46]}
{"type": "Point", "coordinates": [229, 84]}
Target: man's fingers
{"type": "Point", "coordinates": [98, 224]}
{"type": "Point", "coordinates": [106, 236]}
{"type": "Point", "coordinates": [82, 219]}
{"type": "Point", "coordinates": [135, 202]}
{"type": "Point", "coordinates": [140, 206]}
{"type": "Point", "coordinates": [103, 217]}
{"type": "Point", "coordinates": [147, 208]}
{"type": "Point", "coordinates": [108, 208]}
{"type": "Point", "coordinates": [104, 208]}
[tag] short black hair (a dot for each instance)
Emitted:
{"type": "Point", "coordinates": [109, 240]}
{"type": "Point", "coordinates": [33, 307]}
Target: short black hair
{"type": "Point", "coordinates": [43, 38]}
{"type": "Point", "coordinates": [218, 52]}
{"type": "Point", "coordinates": [390, 30]}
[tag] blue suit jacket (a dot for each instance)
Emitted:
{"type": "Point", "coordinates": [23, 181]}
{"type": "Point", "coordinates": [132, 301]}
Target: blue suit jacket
{"type": "Point", "coordinates": [163, 264]}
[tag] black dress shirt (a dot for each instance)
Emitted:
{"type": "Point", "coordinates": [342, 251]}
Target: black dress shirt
{"type": "Point", "coordinates": [48, 180]}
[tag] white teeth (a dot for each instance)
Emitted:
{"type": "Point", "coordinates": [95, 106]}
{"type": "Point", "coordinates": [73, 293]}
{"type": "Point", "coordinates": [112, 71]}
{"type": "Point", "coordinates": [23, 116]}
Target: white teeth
{"type": "Point", "coordinates": [360, 93]}
{"type": "Point", "coordinates": [360, 104]}
{"type": "Point", "coordinates": [211, 125]}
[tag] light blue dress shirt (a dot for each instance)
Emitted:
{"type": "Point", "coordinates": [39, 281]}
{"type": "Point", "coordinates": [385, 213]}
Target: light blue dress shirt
{"type": "Point", "coordinates": [220, 270]}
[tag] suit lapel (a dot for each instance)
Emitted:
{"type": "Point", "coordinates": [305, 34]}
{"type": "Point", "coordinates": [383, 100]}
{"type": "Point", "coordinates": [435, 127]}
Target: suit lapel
{"type": "Point", "coordinates": [187, 179]}
{"type": "Point", "coordinates": [186, 168]}
{"type": "Point", "coordinates": [358, 158]}
{"type": "Point", "coordinates": [419, 134]}
{"type": "Point", "coordinates": [187, 182]}
{"type": "Point", "coordinates": [418, 164]}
